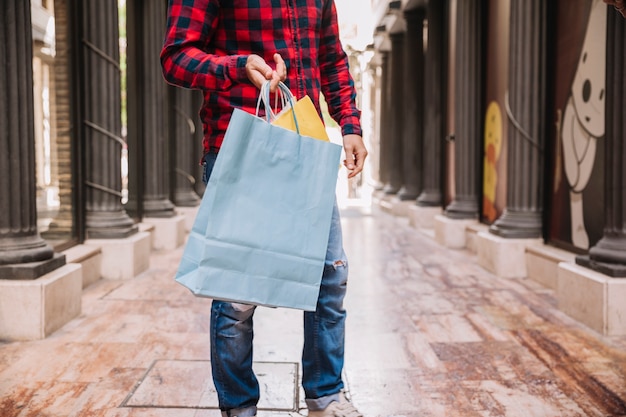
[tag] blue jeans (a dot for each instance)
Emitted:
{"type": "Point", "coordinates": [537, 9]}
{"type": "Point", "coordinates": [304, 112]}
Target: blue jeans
{"type": "Point", "coordinates": [324, 330]}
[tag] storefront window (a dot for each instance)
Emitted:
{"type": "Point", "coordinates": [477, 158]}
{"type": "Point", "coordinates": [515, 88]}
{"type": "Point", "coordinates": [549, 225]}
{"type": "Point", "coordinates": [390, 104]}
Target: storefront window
{"type": "Point", "coordinates": [52, 127]}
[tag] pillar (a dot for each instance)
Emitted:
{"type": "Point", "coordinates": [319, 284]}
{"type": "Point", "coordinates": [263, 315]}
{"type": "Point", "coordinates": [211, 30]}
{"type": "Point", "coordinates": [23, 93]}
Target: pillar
{"type": "Point", "coordinates": [608, 256]}
{"type": "Point", "coordinates": [413, 79]}
{"type": "Point", "coordinates": [434, 105]}
{"type": "Point", "coordinates": [468, 109]}
{"type": "Point", "coordinates": [373, 72]}
{"type": "Point", "coordinates": [150, 191]}
{"type": "Point", "coordinates": [184, 149]}
{"type": "Point", "coordinates": [522, 217]}
{"type": "Point", "coordinates": [395, 114]}
{"type": "Point", "coordinates": [100, 112]}
{"type": "Point", "coordinates": [384, 126]}
{"type": "Point", "coordinates": [23, 253]}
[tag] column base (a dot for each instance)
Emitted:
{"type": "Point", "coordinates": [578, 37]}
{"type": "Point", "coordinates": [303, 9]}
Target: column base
{"type": "Point", "coordinates": [423, 217]}
{"type": "Point", "coordinates": [451, 233]}
{"type": "Point", "coordinates": [384, 201]}
{"type": "Point", "coordinates": [169, 233]}
{"type": "Point", "coordinates": [430, 198]}
{"type": "Point", "coordinates": [90, 258]}
{"type": "Point", "coordinates": [123, 258]}
{"type": "Point", "coordinates": [378, 185]}
{"type": "Point", "coordinates": [162, 209]}
{"type": "Point", "coordinates": [399, 207]}
{"type": "Point", "coordinates": [406, 194]}
{"type": "Point", "coordinates": [109, 225]}
{"type": "Point", "coordinates": [189, 213]}
{"type": "Point", "coordinates": [149, 228]}
{"type": "Point", "coordinates": [34, 309]}
{"type": "Point", "coordinates": [592, 298]}
{"type": "Point", "coordinates": [392, 204]}
{"type": "Point", "coordinates": [471, 235]}
{"type": "Point", "coordinates": [542, 264]}
{"type": "Point", "coordinates": [518, 225]}
{"type": "Point", "coordinates": [503, 257]}
{"type": "Point", "coordinates": [31, 270]}
{"type": "Point", "coordinates": [187, 198]}
{"type": "Point", "coordinates": [391, 189]}
{"type": "Point", "coordinates": [606, 268]}
{"type": "Point", "coordinates": [462, 209]}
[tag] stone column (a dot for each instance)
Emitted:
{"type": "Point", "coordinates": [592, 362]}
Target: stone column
{"type": "Point", "coordinates": [101, 130]}
{"type": "Point", "coordinates": [146, 108]}
{"type": "Point", "coordinates": [23, 253]}
{"type": "Point", "coordinates": [384, 131]}
{"type": "Point", "coordinates": [413, 80]}
{"type": "Point", "coordinates": [608, 256]}
{"type": "Point", "coordinates": [522, 217]}
{"type": "Point", "coordinates": [373, 72]}
{"type": "Point", "coordinates": [183, 147]}
{"type": "Point", "coordinates": [395, 114]}
{"type": "Point", "coordinates": [468, 109]}
{"type": "Point", "coordinates": [434, 105]}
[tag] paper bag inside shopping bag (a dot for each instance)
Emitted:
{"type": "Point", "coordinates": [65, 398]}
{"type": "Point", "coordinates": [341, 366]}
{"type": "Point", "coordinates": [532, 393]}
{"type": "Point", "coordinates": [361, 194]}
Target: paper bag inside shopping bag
{"type": "Point", "coordinates": [309, 121]}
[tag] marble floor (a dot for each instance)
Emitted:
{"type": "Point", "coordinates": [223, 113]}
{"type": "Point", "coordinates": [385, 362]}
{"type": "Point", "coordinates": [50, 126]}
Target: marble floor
{"type": "Point", "coordinates": [430, 333]}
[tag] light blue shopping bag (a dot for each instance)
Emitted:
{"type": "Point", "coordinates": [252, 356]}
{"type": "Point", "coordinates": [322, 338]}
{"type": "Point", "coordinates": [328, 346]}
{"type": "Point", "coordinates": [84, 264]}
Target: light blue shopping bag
{"type": "Point", "coordinates": [261, 232]}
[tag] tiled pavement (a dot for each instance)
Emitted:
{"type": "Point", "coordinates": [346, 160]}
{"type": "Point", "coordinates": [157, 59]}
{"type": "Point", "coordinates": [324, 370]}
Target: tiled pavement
{"type": "Point", "coordinates": [430, 333]}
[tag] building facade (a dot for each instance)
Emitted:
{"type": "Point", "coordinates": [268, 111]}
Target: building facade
{"type": "Point", "coordinates": [495, 123]}
{"type": "Point", "coordinates": [500, 128]}
{"type": "Point", "coordinates": [99, 154]}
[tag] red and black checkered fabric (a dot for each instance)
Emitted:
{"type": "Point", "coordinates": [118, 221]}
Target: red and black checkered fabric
{"type": "Point", "coordinates": [207, 43]}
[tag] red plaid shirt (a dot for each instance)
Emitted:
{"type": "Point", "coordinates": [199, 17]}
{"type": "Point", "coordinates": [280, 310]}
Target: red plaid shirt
{"type": "Point", "coordinates": [207, 43]}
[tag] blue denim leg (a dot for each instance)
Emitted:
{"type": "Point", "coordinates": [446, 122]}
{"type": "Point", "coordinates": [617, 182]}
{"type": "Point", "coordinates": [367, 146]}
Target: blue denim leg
{"type": "Point", "coordinates": [322, 357]}
{"type": "Point", "coordinates": [324, 329]}
{"type": "Point", "coordinates": [231, 348]}
{"type": "Point", "coordinates": [231, 359]}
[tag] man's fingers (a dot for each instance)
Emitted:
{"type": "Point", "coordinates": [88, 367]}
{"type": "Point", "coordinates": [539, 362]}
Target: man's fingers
{"type": "Point", "coordinates": [355, 167]}
{"type": "Point", "coordinates": [279, 74]}
{"type": "Point", "coordinates": [256, 78]}
{"type": "Point", "coordinates": [281, 68]}
{"type": "Point", "coordinates": [355, 154]}
{"type": "Point", "coordinates": [258, 71]}
{"type": "Point", "coordinates": [274, 82]}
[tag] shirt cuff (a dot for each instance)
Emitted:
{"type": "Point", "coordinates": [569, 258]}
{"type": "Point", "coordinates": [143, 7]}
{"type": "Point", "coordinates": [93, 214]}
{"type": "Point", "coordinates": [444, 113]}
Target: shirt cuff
{"type": "Point", "coordinates": [351, 126]}
{"type": "Point", "coordinates": [236, 68]}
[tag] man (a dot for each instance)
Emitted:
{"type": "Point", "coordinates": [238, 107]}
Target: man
{"type": "Point", "coordinates": [228, 49]}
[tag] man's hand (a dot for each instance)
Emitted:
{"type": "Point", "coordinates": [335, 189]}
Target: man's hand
{"type": "Point", "coordinates": [355, 154]}
{"type": "Point", "coordinates": [259, 71]}
{"type": "Point", "coordinates": [619, 5]}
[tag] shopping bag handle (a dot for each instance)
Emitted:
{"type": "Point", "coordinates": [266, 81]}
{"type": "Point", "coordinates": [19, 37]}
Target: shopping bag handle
{"type": "Point", "coordinates": [287, 101]}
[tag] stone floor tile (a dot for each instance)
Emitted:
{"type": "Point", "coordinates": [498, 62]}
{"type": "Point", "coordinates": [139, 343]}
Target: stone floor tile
{"type": "Point", "coordinates": [188, 384]}
{"type": "Point", "coordinates": [58, 396]}
{"type": "Point", "coordinates": [447, 328]}
{"type": "Point", "coordinates": [499, 398]}
{"type": "Point", "coordinates": [429, 333]}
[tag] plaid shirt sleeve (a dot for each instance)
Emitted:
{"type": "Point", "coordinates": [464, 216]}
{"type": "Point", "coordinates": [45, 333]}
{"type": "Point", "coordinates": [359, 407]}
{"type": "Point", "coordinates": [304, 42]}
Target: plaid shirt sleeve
{"type": "Point", "coordinates": [336, 82]}
{"type": "Point", "coordinates": [191, 25]}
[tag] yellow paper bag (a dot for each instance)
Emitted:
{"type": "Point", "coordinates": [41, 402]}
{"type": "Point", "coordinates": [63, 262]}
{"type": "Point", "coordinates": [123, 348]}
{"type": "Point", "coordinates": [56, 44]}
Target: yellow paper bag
{"type": "Point", "coordinates": [309, 121]}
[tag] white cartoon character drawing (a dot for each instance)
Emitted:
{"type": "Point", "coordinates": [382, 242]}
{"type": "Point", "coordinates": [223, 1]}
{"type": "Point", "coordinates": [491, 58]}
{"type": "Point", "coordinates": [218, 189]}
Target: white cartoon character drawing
{"type": "Point", "coordinates": [583, 118]}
